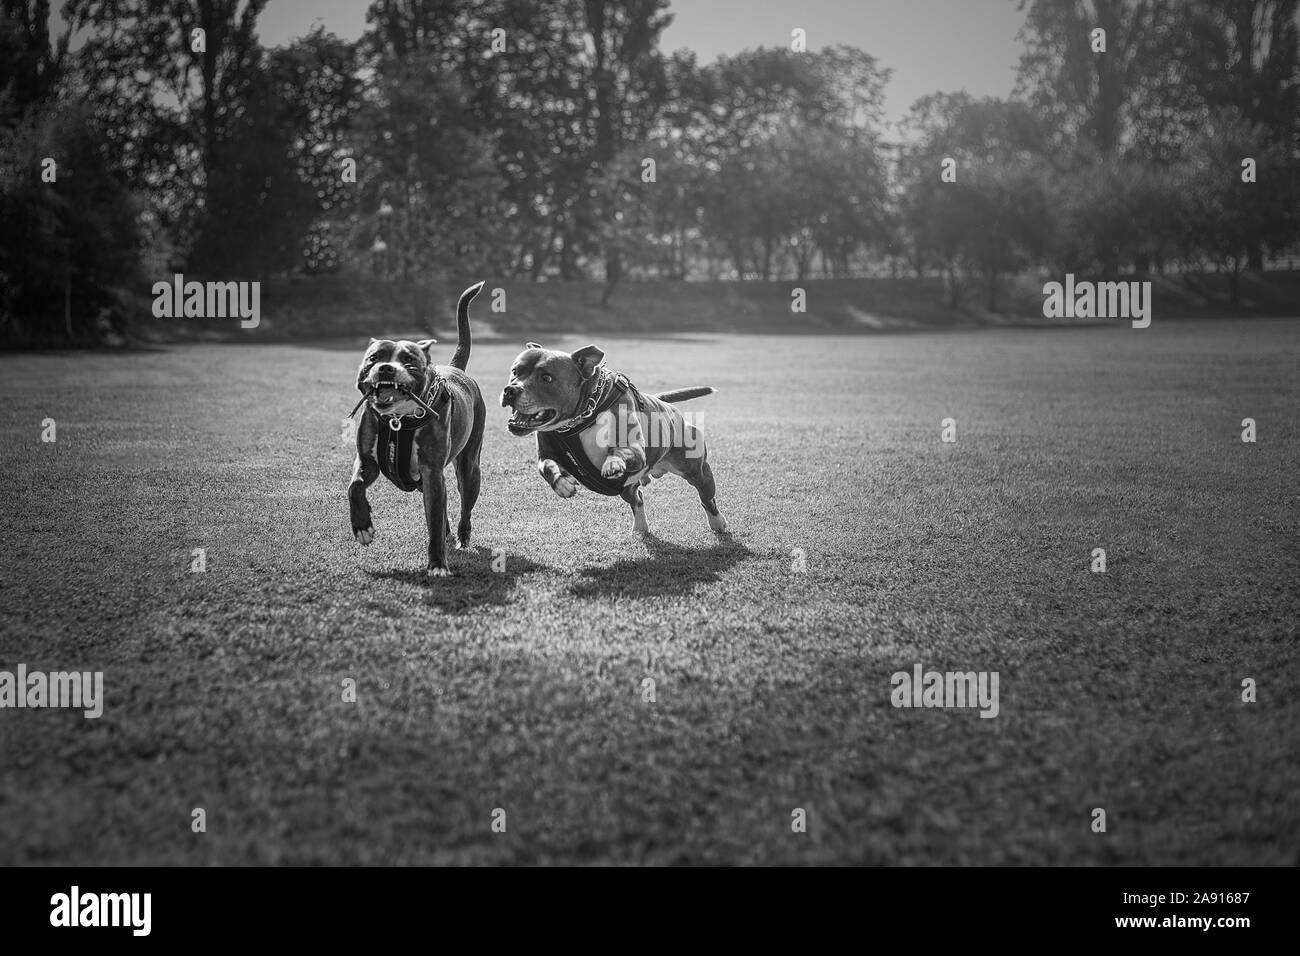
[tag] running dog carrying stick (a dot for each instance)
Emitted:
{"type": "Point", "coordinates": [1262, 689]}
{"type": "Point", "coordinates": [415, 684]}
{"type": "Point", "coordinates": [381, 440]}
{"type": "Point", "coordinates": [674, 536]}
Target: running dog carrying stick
{"type": "Point", "coordinates": [419, 417]}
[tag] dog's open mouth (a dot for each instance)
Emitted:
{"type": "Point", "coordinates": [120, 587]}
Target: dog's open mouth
{"type": "Point", "coordinates": [384, 394]}
{"type": "Point", "coordinates": [521, 423]}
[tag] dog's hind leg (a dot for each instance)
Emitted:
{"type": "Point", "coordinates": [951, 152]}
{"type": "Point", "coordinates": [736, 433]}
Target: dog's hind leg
{"type": "Point", "coordinates": [695, 469]}
{"type": "Point", "coordinates": [469, 476]}
{"type": "Point", "coordinates": [435, 513]}
{"type": "Point", "coordinates": [468, 479]}
{"type": "Point", "coordinates": [632, 495]}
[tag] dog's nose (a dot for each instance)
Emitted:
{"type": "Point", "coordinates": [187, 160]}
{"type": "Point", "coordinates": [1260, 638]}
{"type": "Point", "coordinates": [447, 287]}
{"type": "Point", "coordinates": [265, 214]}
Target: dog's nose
{"type": "Point", "coordinates": [509, 394]}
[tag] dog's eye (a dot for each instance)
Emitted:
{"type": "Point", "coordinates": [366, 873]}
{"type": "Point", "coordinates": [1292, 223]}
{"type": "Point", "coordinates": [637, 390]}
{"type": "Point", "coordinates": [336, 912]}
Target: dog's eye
{"type": "Point", "coordinates": [547, 378]}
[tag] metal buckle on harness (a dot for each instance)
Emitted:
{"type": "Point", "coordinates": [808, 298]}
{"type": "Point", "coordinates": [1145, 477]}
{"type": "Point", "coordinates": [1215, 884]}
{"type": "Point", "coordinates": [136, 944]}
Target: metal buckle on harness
{"type": "Point", "coordinates": [395, 423]}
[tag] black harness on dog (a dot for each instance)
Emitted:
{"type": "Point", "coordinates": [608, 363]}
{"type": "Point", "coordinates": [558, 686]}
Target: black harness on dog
{"type": "Point", "coordinates": [393, 449]}
{"type": "Point", "coordinates": [396, 436]}
{"type": "Point", "coordinates": [564, 444]}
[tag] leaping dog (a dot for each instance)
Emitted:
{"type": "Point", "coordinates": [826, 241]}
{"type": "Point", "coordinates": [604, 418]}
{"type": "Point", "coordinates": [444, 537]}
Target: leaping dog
{"type": "Point", "coordinates": [595, 428]}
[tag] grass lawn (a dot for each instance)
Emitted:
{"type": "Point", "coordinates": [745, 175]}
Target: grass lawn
{"type": "Point", "coordinates": [522, 690]}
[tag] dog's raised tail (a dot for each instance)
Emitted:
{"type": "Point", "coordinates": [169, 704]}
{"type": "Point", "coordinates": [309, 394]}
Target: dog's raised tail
{"type": "Point", "coordinates": [461, 359]}
{"type": "Point", "coordinates": [685, 394]}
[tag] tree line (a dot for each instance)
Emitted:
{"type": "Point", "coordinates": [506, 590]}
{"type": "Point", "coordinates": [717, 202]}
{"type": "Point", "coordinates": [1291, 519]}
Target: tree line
{"type": "Point", "coordinates": [557, 139]}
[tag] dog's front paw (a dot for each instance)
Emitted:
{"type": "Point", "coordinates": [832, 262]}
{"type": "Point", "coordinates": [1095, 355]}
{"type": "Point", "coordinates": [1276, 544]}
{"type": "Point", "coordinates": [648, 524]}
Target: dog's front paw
{"type": "Point", "coordinates": [364, 535]}
{"type": "Point", "coordinates": [613, 467]}
{"type": "Point", "coordinates": [437, 573]}
{"type": "Point", "coordinates": [565, 486]}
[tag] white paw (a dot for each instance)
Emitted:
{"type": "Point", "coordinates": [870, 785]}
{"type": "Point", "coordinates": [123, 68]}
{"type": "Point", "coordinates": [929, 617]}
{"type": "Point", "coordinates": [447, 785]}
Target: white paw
{"type": "Point", "coordinates": [438, 573]}
{"type": "Point", "coordinates": [365, 535]}
{"type": "Point", "coordinates": [565, 486]}
{"type": "Point", "coordinates": [717, 523]}
{"type": "Point", "coordinates": [613, 467]}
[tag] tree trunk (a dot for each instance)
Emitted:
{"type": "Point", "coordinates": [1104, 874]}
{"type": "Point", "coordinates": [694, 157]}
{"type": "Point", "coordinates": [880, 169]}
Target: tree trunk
{"type": "Point", "coordinates": [608, 292]}
{"type": "Point", "coordinates": [1256, 260]}
{"type": "Point", "coordinates": [67, 302]}
{"type": "Point", "coordinates": [568, 257]}
{"type": "Point", "coordinates": [541, 254]}
{"type": "Point", "coordinates": [738, 255]}
{"type": "Point", "coordinates": [613, 267]}
{"type": "Point", "coordinates": [212, 45]}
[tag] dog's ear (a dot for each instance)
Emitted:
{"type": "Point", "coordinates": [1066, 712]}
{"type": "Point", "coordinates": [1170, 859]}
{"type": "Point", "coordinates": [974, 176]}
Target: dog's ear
{"type": "Point", "coordinates": [426, 346]}
{"type": "Point", "coordinates": [588, 357]}
{"type": "Point", "coordinates": [531, 345]}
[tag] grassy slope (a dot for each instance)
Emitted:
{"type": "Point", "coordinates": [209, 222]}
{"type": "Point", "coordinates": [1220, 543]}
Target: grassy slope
{"type": "Point", "coordinates": [351, 305]}
{"type": "Point", "coordinates": [521, 690]}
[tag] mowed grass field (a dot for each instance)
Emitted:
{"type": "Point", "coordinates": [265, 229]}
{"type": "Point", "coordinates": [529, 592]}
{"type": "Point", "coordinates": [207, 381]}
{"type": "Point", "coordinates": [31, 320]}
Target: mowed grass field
{"type": "Point", "coordinates": [522, 690]}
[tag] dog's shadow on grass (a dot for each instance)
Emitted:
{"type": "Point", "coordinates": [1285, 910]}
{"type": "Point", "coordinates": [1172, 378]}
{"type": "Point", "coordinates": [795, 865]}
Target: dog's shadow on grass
{"type": "Point", "coordinates": [668, 569]}
{"type": "Point", "coordinates": [473, 583]}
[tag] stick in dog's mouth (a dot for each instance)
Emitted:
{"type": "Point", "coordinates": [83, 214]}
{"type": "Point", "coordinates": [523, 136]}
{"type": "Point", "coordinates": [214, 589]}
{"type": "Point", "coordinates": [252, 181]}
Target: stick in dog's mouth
{"type": "Point", "coordinates": [383, 394]}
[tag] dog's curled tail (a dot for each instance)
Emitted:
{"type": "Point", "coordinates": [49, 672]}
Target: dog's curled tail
{"type": "Point", "coordinates": [685, 394]}
{"type": "Point", "coordinates": [461, 359]}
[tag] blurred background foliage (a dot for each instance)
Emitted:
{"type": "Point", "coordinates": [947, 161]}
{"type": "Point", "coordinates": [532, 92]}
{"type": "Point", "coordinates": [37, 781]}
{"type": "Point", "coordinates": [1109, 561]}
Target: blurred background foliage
{"type": "Point", "coordinates": [527, 163]}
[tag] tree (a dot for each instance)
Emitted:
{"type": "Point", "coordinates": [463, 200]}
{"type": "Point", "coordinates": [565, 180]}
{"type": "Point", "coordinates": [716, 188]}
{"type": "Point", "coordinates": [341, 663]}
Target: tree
{"type": "Point", "coordinates": [571, 84]}
{"type": "Point", "coordinates": [320, 92]}
{"type": "Point", "coordinates": [31, 64]}
{"type": "Point", "coordinates": [1088, 98]}
{"type": "Point", "coordinates": [1230, 217]}
{"type": "Point", "coordinates": [768, 128]}
{"type": "Point", "coordinates": [628, 83]}
{"type": "Point", "coordinates": [274, 195]}
{"type": "Point", "coordinates": [429, 192]}
{"type": "Point", "coordinates": [1245, 56]}
{"type": "Point", "coordinates": [992, 216]}
{"type": "Point", "coordinates": [69, 250]}
{"type": "Point", "coordinates": [168, 110]}
{"type": "Point", "coordinates": [258, 208]}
